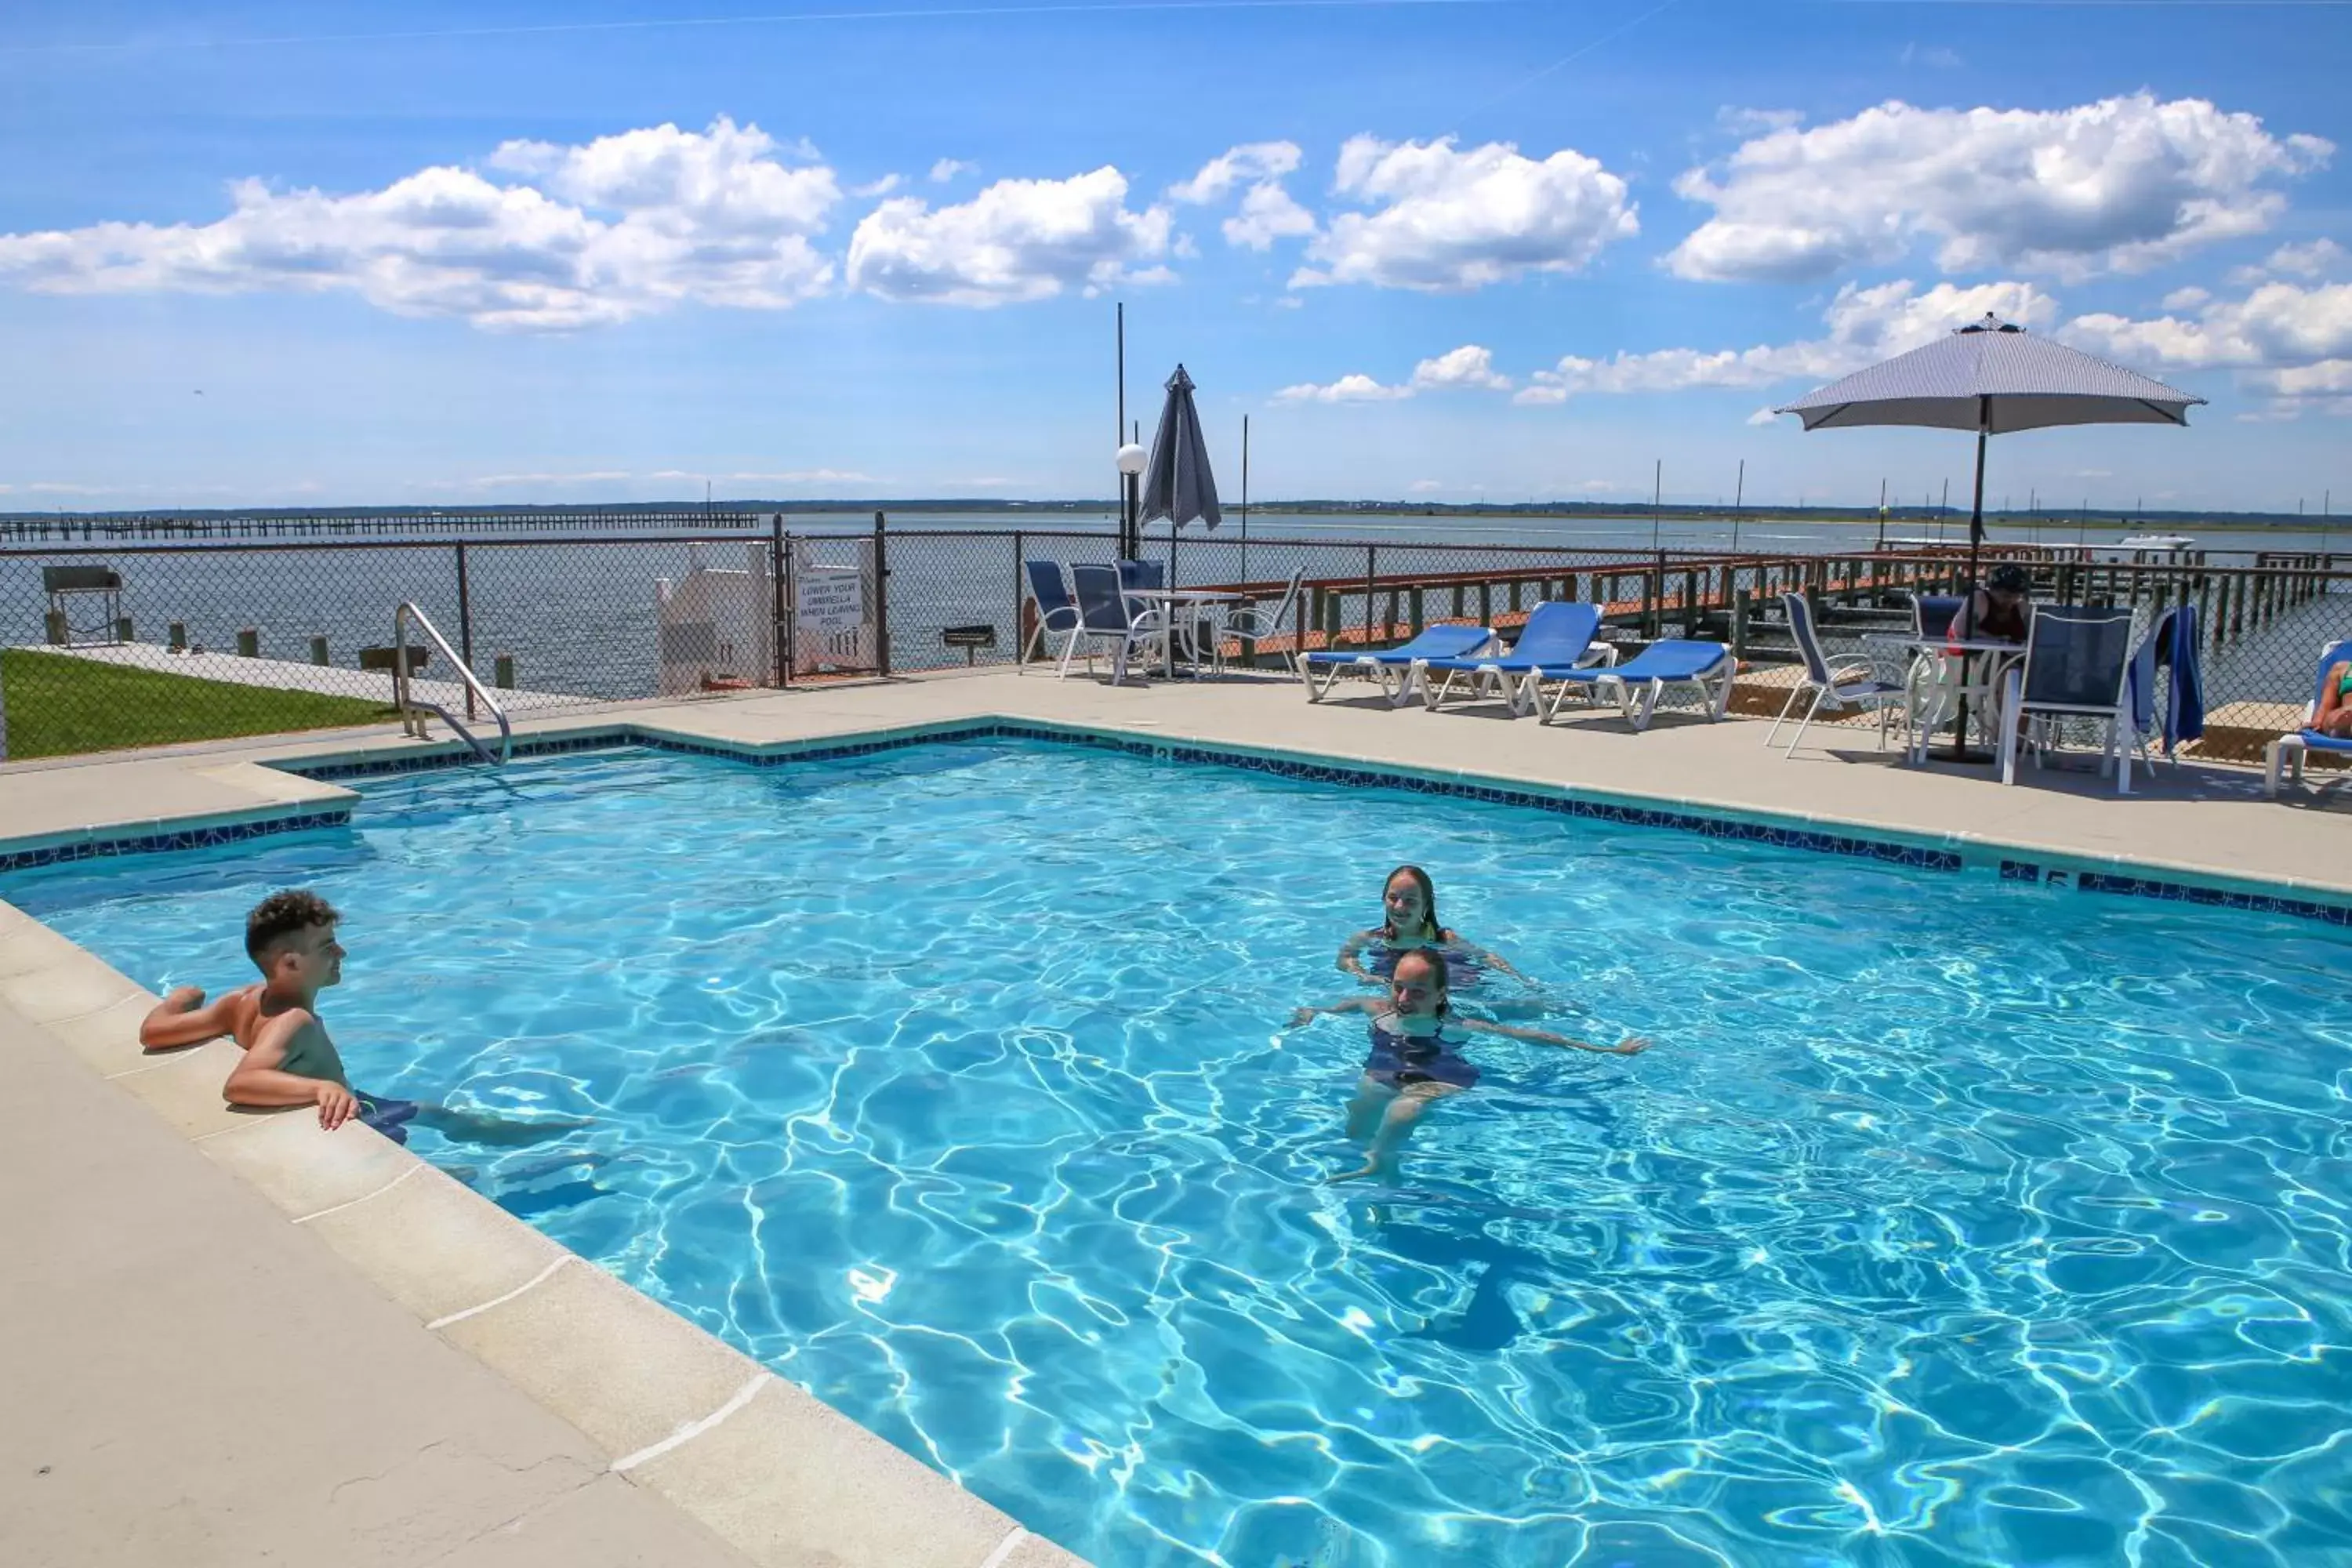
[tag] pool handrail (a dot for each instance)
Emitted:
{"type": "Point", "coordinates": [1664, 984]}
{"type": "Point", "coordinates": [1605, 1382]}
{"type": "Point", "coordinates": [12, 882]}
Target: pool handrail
{"type": "Point", "coordinates": [406, 701]}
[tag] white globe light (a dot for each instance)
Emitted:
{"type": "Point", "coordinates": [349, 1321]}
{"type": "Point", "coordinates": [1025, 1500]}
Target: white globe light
{"type": "Point", "coordinates": [1132, 458]}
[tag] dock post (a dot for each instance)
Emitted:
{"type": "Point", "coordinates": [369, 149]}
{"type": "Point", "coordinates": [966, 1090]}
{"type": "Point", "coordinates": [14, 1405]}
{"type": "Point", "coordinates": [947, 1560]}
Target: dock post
{"type": "Point", "coordinates": [1741, 602]}
{"type": "Point", "coordinates": [179, 637]}
{"type": "Point", "coordinates": [123, 629]}
{"type": "Point", "coordinates": [248, 643]}
{"type": "Point", "coordinates": [504, 679]}
{"type": "Point", "coordinates": [319, 651]}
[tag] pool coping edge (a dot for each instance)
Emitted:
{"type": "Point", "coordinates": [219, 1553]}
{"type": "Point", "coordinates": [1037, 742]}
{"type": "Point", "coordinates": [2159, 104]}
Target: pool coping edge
{"type": "Point", "coordinates": [335, 1183]}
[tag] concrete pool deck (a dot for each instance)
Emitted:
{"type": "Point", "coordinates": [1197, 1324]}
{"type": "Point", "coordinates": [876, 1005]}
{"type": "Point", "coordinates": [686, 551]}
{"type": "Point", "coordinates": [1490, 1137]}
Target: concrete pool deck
{"type": "Point", "coordinates": [233, 1338]}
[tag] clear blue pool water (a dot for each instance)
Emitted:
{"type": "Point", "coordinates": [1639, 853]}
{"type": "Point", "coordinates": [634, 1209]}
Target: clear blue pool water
{"type": "Point", "coordinates": [1951, 1222]}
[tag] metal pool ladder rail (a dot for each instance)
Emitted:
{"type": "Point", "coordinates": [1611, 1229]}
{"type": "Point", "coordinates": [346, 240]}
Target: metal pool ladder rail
{"type": "Point", "coordinates": [413, 711]}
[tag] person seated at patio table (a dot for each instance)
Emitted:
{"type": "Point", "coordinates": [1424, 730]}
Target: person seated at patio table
{"type": "Point", "coordinates": [1996, 612]}
{"type": "Point", "coordinates": [1409, 899]}
{"type": "Point", "coordinates": [2333, 715]}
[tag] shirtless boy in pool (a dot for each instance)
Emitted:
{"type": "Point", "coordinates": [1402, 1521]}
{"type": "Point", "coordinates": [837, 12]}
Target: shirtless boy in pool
{"type": "Point", "coordinates": [289, 1059]}
{"type": "Point", "coordinates": [1416, 1057]}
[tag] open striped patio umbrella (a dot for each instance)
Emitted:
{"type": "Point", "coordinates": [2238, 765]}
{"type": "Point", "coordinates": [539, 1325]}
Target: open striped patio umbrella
{"type": "Point", "coordinates": [1993, 378]}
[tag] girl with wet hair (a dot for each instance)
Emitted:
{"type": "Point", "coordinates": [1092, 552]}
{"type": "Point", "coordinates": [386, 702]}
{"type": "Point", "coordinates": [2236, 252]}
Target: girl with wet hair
{"type": "Point", "coordinates": [1409, 910]}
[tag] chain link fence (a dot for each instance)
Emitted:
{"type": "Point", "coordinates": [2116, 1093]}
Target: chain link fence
{"type": "Point", "coordinates": [143, 642]}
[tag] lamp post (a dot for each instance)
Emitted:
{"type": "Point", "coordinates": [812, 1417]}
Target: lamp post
{"type": "Point", "coordinates": [1131, 460]}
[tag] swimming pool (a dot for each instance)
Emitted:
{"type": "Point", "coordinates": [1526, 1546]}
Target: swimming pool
{"type": "Point", "coordinates": [1951, 1221]}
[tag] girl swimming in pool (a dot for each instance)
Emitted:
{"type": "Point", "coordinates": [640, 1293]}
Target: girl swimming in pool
{"type": "Point", "coordinates": [1409, 901]}
{"type": "Point", "coordinates": [1416, 1055]}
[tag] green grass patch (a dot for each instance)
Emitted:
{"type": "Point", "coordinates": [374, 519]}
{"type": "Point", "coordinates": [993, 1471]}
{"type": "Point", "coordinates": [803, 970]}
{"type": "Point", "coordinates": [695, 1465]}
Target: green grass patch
{"type": "Point", "coordinates": [58, 706]}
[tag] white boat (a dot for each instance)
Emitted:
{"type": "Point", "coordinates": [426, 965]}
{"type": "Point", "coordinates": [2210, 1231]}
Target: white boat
{"type": "Point", "coordinates": [2155, 541]}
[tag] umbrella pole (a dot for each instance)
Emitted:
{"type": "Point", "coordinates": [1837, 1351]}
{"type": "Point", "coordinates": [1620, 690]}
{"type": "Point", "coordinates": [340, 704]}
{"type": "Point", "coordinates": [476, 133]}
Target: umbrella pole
{"type": "Point", "coordinates": [1968, 589]}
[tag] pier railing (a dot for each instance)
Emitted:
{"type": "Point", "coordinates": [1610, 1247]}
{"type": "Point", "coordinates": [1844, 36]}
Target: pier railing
{"type": "Point", "coordinates": [145, 641]}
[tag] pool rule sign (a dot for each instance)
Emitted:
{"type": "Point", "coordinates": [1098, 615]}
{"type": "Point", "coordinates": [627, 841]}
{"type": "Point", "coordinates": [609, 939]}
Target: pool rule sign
{"type": "Point", "coordinates": [829, 602]}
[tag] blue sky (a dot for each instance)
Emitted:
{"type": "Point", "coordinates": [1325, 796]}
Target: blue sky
{"type": "Point", "coordinates": [399, 254]}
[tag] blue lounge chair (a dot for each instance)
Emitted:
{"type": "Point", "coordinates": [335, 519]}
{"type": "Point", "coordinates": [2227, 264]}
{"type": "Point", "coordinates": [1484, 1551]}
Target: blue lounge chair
{"type": "Point", "coordinates": [1706, 668]}
{"type": "Point", "coordinates": [1848, 682]}
{"type": "Point", "coordinates": [2290, 750]}
{"type": "Point", "coordinates": [1396, 669]}
{"type": "Point", "coordinates": [1556, 634]}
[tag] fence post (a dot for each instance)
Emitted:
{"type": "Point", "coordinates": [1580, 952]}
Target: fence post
{"type": "Point", "coordinates": [882, 595]}
{"type": "Point", "coordinates": [1372, 571]}
{"type": "Point", "coordinates": [1020, 632]}
{"type": "Point", "coordinates": [1739, 608]}
{"type": "Point", "coordinates": [779, 593]}
{"type": "Point", "coordinates": [464, 627]}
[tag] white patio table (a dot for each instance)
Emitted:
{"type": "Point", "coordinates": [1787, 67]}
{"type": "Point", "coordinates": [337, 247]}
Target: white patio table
{"type": "Point", "coordinates": [1202, 602]}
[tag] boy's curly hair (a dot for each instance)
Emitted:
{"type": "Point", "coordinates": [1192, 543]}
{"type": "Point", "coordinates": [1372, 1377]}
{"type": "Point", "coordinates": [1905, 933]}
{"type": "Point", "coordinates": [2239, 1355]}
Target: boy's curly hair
{"type": "Point", "coordinates": [281, 915]}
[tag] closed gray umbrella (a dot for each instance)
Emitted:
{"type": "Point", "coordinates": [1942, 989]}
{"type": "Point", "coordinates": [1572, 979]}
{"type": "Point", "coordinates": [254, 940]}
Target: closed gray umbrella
{"type": "Point", "coordinates": [1177, 487]}
{"type": "Point", "coordinates": [1993, 378]}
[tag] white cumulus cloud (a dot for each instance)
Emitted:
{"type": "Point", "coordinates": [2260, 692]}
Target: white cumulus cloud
{"type": "Point", "coordinates": [1357, 388]}
{"type": "Point", "coordinates": [1468, 365]}
{"type": "Point", "coordinates": [576, 235]}
{"type": "Point", "coordinates": [1016, 240]}
{"type": "Point", "coordinates": [1267, 211]}
{"type": "Point", "coordinates": [2315, 259]}
{"type": "Point", "coordinates": [1863, 325]}
{"type": "Point", "coordinates": [1252, 162]}
{"type": "Point", "coordinates": [2121, 184]}
{"type": "Point", "coordinates": [1444, 218]}
{"type": "Point", "coordinates": [2291, 342]}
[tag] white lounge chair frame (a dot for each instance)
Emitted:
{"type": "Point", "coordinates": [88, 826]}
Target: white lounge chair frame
{"type": "Point", "coordinates": [2285, 756]}
{"type": "Point", "coordinates": [1397, 681]}
{"type": "Point", "coordinates": [1713, 685]}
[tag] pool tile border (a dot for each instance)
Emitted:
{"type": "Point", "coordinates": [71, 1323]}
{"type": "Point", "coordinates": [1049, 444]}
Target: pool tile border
{"type": "Point", "coordinates": [173, 838]}
{"type": "Point", "coordinates": [1950, 855]}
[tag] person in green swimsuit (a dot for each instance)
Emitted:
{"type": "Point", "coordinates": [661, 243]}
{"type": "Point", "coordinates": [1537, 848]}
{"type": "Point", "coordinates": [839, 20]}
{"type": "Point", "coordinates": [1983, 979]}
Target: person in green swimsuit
{"type": "Point", "coordinates": [289, 1058]}
{"type": "Point", "coordinates": [2333, 714]}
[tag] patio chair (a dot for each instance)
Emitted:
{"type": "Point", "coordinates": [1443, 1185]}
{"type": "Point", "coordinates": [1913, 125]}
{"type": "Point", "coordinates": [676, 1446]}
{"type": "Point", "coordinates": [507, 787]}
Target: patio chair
{"type": "Point", "coordinates": [1641, 682]}
{"type": "Point", "coordinates": [1849, 683]}
{"type": "Point", "coordinates": [1932, 615]}
{"type": "Point", "coordinates": [1397, 668]}
{"type": "Point", "coordinates": [1106, 615]}
{"type": "Point", "coordinates": [1557, 633]}
{"type": "Point", "coordinates": [1249, 625]}
{"type": "Point", "coordinates": [1057, 611]}
{"type": "Point", "coordinates": [2077, 666]}
{"type": "Point", "coordinates": [2288, 750]}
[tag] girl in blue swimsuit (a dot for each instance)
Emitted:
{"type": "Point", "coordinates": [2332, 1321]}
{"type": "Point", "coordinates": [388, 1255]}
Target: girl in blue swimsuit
{"type": "Point", "coordinates": [1416, 1055]}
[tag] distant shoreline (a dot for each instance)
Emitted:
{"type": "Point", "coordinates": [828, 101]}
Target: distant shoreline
{"type": "Point", "coordinates": [1106, 512]}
